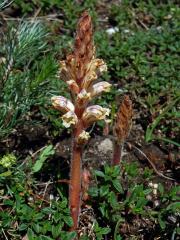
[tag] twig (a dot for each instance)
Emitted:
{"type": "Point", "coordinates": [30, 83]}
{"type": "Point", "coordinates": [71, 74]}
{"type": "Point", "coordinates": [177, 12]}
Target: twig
{"type": "Point", "coordinates": [50, 17]}
{"type": "Point", "coordinates": [152, 164]}
{"type": "Point", "coordinates": [45, 189]}
{"type": "Point", "coordinates": [58, 181]}
{"type": "Point", "coordinates": [7, 4]}
{"type": "Point", "coordinates": [142, 24]}
{"type": "Point", "coordinates": [4, 234]}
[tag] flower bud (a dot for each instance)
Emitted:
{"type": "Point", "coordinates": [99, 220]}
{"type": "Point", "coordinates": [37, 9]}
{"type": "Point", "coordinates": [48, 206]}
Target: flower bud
{"type": "Point", "coordinates": [83, 98]}
{"type": "Point", "coordinates": [100, 87]}
{"type": "Point", "coordinates": [69, 119]}
{"type": "Point", "coordinates": [62, 104]}
{"type": "Point", "coordinates": [94, 113]}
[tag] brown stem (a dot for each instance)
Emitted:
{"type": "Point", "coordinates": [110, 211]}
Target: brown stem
{"type": "Point", "coordinates": [117, 153]}
{"type": "Point", "coordinates": [75, 179]}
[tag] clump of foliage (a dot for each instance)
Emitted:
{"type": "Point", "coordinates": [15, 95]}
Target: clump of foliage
{"type": "Point", "coordinates": [27, 73]}
{"type": "Point", "coordinates": [126, 202]}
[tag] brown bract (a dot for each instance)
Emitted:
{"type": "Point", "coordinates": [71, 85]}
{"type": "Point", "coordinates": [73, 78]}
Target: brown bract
{"type": "Point", "coordinates": [123, 120]}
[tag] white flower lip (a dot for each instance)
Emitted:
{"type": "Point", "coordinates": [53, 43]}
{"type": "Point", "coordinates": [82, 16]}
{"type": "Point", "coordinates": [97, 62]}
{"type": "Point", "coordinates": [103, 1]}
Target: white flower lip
{"type": "Point", "coordinates": [62, 104]}
{"type": "Point", "coordinates": [69, 119]}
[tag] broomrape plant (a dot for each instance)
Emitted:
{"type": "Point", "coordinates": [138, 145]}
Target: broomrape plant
{"type": "Point", "coordinates": [80, 71]}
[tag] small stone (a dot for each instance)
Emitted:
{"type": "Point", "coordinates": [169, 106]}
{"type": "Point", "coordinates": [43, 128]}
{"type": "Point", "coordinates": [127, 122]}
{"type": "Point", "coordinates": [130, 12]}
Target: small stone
{"type": "Point", "coordinates": [155, 186]}
{"type": "Point", "coordinates": [105, 146]}
{"type": "Point", "coordinates": [156, 203]}
{"type": "Point", "coordinates": [112, 30]}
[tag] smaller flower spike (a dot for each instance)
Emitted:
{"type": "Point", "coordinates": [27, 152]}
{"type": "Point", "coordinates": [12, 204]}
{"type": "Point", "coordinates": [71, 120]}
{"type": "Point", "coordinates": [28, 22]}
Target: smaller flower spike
{"type": "Point", "coordinates": [122, 128]}
{"type": "Point", "coordinates": [62, 104]}
{"type": "Point", "coordinates": [94, 113]}
{"type": "Point", "coordinates": [123, 120]}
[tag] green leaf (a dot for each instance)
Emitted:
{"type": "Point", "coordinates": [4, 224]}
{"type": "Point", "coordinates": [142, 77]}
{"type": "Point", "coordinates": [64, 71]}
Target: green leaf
{"type": "Point", "coordinates": [161, 222]}
{"type": "Point", "coordinates": [36, 227]}
{"type": "Point", "coordinates": [68, 220]}
{"type": "Point", "coordinates": [99, 173]}
{"type": "Point", "coordinates": [6, 174]}
{"type": "Point", "coordinates": [22, 227]}
{"type": "Point", "coordinates": [105, 230]}
{"type": "Point", "coordinates": [68, 235]}
{"type": "Point", "coordinates": [44, 238]}
{"type": "Point", "coordinates": [112, 198]}
{"type": "Point", "coordinates": [56, 230]}
{"type": "Point", "coordinates": [30, 234]}
{"type": "Point", "coordinates": [174, 207]}
{"type": "Point", "coordinates": [48, 151]}
{"type": "Point", "coordinates": [104, 190]}
{"type": "Point", "coordinates": [117, 185]}
{"type": "Point", "coordinates": [93, 191]}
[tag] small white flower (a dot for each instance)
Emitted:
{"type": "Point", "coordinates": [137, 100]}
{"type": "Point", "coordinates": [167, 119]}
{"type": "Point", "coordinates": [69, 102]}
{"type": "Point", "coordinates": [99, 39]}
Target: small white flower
{"type": "Point", "coordinates": [69, 119]}
{"type": "Point", "coordinates": [83, 137]}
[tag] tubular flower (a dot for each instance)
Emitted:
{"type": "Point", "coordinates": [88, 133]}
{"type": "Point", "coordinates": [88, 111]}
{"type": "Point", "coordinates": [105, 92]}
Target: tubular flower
{"type": "Point", "coordinates": [83, 137]}
{"type": "Point", "coordinates": [69, 119]}
{"type": "Point", "coordinates": [83, 98]}
{"type": "Point", "coordinates": [62, 104]}
{"type": "Point", "coordinates": [96, 67]}
{"type": "Point", "coordinates": [73, 86]}
{"type": "Point", "coordinates": [88, 80]}
{"type": "Point", "coordinates": [100, 87]}
{"type": "Point", "coordinates": [94, 113]}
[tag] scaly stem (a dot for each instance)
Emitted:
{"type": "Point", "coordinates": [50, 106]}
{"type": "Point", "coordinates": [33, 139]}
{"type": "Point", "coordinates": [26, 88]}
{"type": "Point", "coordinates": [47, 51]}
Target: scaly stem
{"type": "Point", "coordinates": [75, 179]}
{"type": "Point", "coordinates": [117, 153]}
